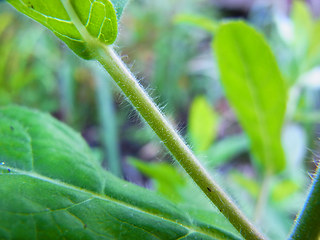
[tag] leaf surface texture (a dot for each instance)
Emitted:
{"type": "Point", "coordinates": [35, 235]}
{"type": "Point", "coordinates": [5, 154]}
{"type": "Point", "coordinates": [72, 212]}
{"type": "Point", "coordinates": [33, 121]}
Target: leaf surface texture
{"type": "Point", "coordinates": [255, 89]}
{"type": "Point", "coordinates": [98, 16]}
{"type": "Point", "coordinates": [52, 188]}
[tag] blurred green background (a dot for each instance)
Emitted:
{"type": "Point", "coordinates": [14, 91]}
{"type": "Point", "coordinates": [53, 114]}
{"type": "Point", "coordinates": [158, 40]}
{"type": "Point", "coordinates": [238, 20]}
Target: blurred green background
{"type": "Point", "coordinates": [167, 45]}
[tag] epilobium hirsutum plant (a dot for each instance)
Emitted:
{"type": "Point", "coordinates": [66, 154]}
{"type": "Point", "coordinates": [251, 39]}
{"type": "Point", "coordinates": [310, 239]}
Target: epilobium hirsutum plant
{"type": "Point", "coordinates": [53, 187]}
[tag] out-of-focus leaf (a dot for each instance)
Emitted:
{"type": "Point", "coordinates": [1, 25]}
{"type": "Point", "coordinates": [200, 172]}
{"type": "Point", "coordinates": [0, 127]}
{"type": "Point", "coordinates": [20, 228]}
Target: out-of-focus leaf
{"type": "Point", "coordinates": [98, 17]}
{"type": "Point", "coordinates": [303, 24]}
{"type": "Point", "coordinates": [5, 20]}
{"type": "Point", "coordinates": [307, 117]}
{"type": "Point", "coordinates": [172, 53]}
{"type": "Point", "coordinates": [313, 54]}
{"type": "Point", "coordinates": [54, 189]}
{"type": "Point", "coordinates": [283, 190]}
{"type": "Point", "coordinates": [255, 89]}
{"type": "Point", "coordinates": [199, 21]}
{"type": "Point", "coordinates": [17, 63]}
{"type": "Point", "coordinates": [202, 126]}
{"type": "Point", "coordinates": [166, 178]}
{"type": "Point", "coordinates": [225, 149]}
{"type": "Point", "coordinates": [301, 34]}
{"type": "Point", "coordinates": [247, 183]}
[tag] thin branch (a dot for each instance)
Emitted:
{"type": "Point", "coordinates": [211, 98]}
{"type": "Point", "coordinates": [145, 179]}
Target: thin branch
{"type": "Point", "coordinates": [263, 197]}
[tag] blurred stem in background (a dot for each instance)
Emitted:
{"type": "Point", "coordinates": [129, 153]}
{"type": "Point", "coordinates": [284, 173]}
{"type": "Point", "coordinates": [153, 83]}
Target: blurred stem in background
{"type": "Point", "coordinates": [309, 117]}
{"type": "Point", "coordinates": [67, 88]}
{"type": "Point", "coordinates": [172, 51]}
{"type": "Point", "coordinates": [108, 122]}
{"type": "Point", "coordinates": [262, 200]}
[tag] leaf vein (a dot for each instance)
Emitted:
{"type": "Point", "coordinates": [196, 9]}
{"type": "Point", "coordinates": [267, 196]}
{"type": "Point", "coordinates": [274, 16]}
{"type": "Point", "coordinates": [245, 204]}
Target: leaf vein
{"type": "Point", "coordinates": [101, 197]}
{"type": "Point", "coordinates": [131, 224]}
{"type": "Point", "coordinates": [257, 106]}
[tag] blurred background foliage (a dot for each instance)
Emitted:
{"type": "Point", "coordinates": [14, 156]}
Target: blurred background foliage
{"type": "Point", "coordinates": [167, 45]}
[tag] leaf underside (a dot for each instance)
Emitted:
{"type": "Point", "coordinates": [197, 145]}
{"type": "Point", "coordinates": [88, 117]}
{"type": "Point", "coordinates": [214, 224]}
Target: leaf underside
{"type": "Point", "coordinates": [52, 188]}
{"type": "Point", "coordinates": [255, 88]}
{"type": "Point", "coordinates": [98, 16]}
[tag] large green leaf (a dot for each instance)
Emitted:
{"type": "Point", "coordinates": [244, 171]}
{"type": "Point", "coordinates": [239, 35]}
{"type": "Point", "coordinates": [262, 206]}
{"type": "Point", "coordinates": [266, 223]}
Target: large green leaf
{"type": "Point", "coordinates": [98, 16]}
{"type": "Point", "coordinates": [255, 88]}
{"type": "Point", "coordinates": [52, 188]}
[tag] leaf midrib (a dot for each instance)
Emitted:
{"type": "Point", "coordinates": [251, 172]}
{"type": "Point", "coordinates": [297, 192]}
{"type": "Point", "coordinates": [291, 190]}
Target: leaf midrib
{"type": "Point", "coordinates": [14, 171]}
{"type": "Point", "coordinates": [257, 106]}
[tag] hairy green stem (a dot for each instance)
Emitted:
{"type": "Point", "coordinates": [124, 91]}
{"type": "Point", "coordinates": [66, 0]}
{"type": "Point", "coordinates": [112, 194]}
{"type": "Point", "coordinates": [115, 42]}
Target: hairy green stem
{"type": "Point", "coordinates": [152, 115]}
{"type": "Point", "coordinates": [308, 222]}
{"type": "Point", "coordinates": [171, 139]}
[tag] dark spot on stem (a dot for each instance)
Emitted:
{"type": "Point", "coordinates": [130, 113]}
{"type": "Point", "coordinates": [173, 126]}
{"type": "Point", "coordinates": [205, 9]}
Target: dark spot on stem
{"type": "Point", "coordinates": [12, 128]}
{"type": "Point", "coordinates": [85, 226]}
{"type": "Point", "coordinates": [30, 5]}
{"type": "Point", "coordinates": [209, 189]}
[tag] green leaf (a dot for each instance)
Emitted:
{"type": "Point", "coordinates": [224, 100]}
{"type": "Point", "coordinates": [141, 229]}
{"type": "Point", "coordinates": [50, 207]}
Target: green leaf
{"type": "Point", "coordinates": [226, 149]}
{"type": "Point", "coordinates": [199, 21]}
{"type": "Point", "coordinates": [52, 188]}
{"type": "Point", "coordinates": [303, 24]}
{"type": "Point", "coordinates": [284, 189]}
{"type": "Point", "coordinates": [255, 89]}
{"type": "Point", "coordinates": [5, 20]}
{"type": "Point", "coordinates": [166, 178]}
{"type": "Point", "coordinates": [98, 17]}
{"type": "Point", "coordinates": [202, 126]}
{"type": "Point", "coordinates": [247, 183]}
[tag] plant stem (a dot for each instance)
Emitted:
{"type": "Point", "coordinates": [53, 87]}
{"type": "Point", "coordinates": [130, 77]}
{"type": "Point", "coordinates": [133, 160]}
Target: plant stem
{"type": "Point", "coordinates": [108, 123]}
{"type": "Point", "coordinates": [67, 91]}
{"type": "Point", "coordinates": [263, 197]}
{"type": "Point", "coordinates": [307, 223]}
{"type": "Point", "coordinates": [152, 115]}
